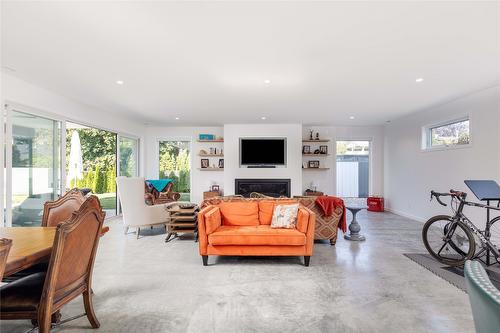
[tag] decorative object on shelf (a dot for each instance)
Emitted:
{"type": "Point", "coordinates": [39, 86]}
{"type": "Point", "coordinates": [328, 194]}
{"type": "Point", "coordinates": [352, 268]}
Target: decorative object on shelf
{"type": "Point", "coordinates": [317, 152]}
{"type": "Point", "coordinates": [306, 149]}
{"type": "Point", "coordinates": [310, 134]}
{"type": "Point", "coordinates": [317, 135]}
{"type": "Point", "coordinates": [203, 152]}
{"type": "Point", "coordinates": [323, 150]}
{"type": "Point", "coordinates": [313, 164]}
{"type": "Point", "coordinates": [206, 137]}
{"type": "Point", "coordinates": [215, 188]}
{"type": "Point", "coordinates": [314, 186]}
{"type": "Point", "coordinates": [221, 163]}
{"type": "Point", "coordinates": [205, 163]}
{"type": "Point", "coordinates": [213, 151]}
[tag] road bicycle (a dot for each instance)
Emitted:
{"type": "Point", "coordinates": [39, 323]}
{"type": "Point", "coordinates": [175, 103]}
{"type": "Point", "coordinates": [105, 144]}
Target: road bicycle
{"type": "Point", "coordinates": [453, 239]}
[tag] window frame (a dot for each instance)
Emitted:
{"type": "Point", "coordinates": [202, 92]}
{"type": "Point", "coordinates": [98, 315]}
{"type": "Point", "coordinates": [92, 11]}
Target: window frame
{"type": "Point", "coordinates": [427, 135]}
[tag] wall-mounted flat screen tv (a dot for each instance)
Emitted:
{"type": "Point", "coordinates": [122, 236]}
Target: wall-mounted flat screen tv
{"type": "Point", "coordinates": [262, 151]}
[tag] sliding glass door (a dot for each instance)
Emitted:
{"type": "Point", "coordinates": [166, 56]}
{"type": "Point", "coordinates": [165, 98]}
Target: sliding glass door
{"type": "Point", "coordinates": [35, 172]}
{"type": "Point", "coordinates": [91, 163]}
{"type": "Point", "coordinates": [45, 157]}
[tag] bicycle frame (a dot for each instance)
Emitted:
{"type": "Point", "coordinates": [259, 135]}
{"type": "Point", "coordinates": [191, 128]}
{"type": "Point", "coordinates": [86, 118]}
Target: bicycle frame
{"type": "Point", "coordinates": [460, 216]}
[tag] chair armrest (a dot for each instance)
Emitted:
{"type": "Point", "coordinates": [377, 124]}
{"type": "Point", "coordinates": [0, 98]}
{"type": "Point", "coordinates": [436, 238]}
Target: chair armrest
{"type": "Point", "coordinates": [309, 227]}
{"type": "Point", "coordinates": [157, 214]}
{"type": "Point", "coordinates": [302, 219]}
{"type": "Point", "coordinates": [202, 229]}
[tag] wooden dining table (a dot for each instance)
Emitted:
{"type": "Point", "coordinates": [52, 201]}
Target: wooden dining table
{"type": "Point", "coordinates": [30, 245]}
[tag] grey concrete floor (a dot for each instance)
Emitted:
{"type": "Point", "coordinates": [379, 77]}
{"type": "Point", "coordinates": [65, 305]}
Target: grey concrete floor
{"type": "Point", "coordinates": [146, 285]}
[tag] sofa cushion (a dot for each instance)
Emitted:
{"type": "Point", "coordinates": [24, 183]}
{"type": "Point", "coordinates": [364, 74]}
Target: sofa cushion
{"type": "Point", "coordinates": [212, 220]}
{"type": "Point", "coordinates": [239, 213]}
{"type": "Point", "coordinates": [256, 235]}
{"type": "Point", "coordinates": [266, 208]}
{"type": "Point", "coordinates": [285, 216]}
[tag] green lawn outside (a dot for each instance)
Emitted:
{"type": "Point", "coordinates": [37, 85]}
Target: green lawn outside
{"type": "Point", "coordinates": [108, 200]}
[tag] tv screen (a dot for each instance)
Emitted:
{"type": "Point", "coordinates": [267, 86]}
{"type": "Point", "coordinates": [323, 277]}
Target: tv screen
{"type": "Point", "coordinates": [263, 151]}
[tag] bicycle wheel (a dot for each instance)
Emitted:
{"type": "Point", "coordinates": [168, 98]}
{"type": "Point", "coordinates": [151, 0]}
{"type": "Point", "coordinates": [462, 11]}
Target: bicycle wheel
{"type": "Point", "coordinates": [495, 232]}
{"type": "Point", "coordinates": [454, 251]}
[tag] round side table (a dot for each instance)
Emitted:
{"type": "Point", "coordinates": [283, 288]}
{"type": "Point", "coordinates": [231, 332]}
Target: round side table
{"type": "Point", "coordinates": [354, 227]}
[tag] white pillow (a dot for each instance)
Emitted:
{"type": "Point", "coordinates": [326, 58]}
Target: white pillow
{"type": "Point", "coordinates": [285, 216]}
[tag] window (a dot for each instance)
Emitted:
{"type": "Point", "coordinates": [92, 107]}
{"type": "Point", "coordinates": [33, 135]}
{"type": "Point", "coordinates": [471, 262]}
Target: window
{"type": "Point", "coordinates": [353, 169]}
{"type": "Point", "coordinates": [175, 164]}
{"type": "Point", "coordinates": [449, 134]}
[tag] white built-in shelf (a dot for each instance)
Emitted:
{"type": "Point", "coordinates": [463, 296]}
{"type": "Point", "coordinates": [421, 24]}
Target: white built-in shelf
{"type": "Point", "coordinates": [316, 169]}
{"type": "Point", "coordinates": [322, 140]}
{"type": "Point", "coordinates": [316, 155]}
{"type": "Point", "coordinates": [211, 169]}
{"type": "Point", "coordinates": [216, 140]}
{"type": "Point", "coordinates": [211, 155]}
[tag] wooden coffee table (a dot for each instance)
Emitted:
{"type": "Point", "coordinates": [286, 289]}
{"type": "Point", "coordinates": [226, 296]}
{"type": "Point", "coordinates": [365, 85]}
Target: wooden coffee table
{"type": "Point", "coordinates": [182, 221]}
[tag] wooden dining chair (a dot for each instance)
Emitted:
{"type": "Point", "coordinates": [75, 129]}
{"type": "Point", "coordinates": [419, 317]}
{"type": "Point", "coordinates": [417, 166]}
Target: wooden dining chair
{"type": "Point", "coordinates": [62, 208]}
{"type": "Point", "coordinates": [5, 245]}
{"type": "Point", "coordinates": [40, 295]}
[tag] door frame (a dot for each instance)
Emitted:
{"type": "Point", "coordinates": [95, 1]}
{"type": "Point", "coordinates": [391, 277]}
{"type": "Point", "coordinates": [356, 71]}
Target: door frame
{"type": "Point", "coordinates": [370, 159]}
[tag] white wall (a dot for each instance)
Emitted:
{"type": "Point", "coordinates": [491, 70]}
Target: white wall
{"type": "Point", "coordinates": [326, 179]}
{"type": "Point", "coordinates": [200, 180]}
{"type": "Point", "coordinates": [292, 171]}
{"type": "Point", "coordinates": [19, 92]}
{"type": "Point", "coordinates": [411, 173]}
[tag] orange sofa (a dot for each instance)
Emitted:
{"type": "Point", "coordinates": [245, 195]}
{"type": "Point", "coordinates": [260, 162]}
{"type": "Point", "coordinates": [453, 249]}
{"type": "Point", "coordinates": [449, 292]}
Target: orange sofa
{"type": "Point", "coordinates": [244, 229]}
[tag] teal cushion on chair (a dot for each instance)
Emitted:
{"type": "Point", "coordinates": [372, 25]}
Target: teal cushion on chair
{"type": "Point", "coordinates": [484, 298]}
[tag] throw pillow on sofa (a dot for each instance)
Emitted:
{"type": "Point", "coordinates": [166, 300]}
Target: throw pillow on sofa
{"type": "Point", "coordinates": [285, 216]}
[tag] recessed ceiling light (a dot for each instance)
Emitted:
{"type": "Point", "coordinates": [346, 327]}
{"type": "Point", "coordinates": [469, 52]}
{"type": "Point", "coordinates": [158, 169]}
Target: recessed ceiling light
{"type": "Point", "coordinates": [177, 118]}
{"type": "Point", "coordinates": [351, 117]}
{"type": "Point", "coordinates": [120, 82]}
{"type": "Point", "coordinates": [263, 118]}
{"type": "Point", "coordinates": [267, 81]}
{"type": "Point", "coordinates": [420, 79]}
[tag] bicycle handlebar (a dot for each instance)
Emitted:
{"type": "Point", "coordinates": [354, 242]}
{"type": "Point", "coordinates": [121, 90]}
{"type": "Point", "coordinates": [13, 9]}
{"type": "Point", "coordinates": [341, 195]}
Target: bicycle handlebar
{"type": "Point", "coordinates": [457, 194]}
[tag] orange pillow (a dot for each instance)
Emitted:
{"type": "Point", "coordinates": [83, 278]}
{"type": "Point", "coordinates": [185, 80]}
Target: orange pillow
{"type": "Point", "coordinates": [212, 220]}
{"type": "Point", "coordinates": [239, 213]}
{"type": "Point", "coordinates": [266, 208]}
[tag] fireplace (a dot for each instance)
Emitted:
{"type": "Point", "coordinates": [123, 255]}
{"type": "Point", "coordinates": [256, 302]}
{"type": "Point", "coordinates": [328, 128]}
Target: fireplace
{"type": "Point", "coordinates": [270, 187]}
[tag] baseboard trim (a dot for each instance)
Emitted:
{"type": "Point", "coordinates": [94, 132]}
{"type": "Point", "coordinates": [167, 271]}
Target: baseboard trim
{"type": "Point", "coordinates": [407, 215]}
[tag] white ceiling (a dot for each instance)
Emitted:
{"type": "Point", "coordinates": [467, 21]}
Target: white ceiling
{"type": "Point", "coordinates": [207, 62]}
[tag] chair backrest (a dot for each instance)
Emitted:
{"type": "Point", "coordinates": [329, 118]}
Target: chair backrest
{"type": "Point", "coordinates": [62, 208]}
{"type": "Point", "coordinates": [72, 259]}
{"type": "Point", "coordinates": [131, 194]}
{"type": "Point", "coordinates": [484, 298]}
{"type": "Point", "coordinates": [5, 245]}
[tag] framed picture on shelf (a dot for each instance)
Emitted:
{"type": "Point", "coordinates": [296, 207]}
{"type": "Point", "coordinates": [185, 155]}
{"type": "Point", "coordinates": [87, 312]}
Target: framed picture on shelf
{"type": "Point", "coordinates": [313, 164]}
{"type": "Point", "coordinates": [323, 150]}
{"type": "Point", "coordinates": [306, 149]}
{"type": "Point", "coordinates": [221, 163]}
{"type": "Point", "coordinates": [205, 163]}
{"type": "Point", "coordinates": [215, 188]}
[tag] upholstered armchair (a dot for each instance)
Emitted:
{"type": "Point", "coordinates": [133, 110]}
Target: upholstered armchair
{"type": "Point", "coordinates": [136, 213]}
{"type": "Point", "coordinates": [484, 298]}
